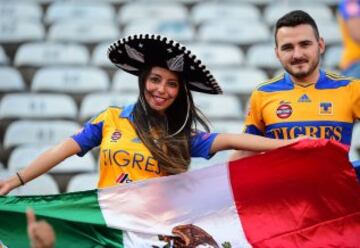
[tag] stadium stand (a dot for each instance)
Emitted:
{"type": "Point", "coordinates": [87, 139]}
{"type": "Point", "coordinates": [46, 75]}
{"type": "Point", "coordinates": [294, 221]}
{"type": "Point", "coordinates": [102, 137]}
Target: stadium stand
{"type": "Point", "coordinates": [55, 74]}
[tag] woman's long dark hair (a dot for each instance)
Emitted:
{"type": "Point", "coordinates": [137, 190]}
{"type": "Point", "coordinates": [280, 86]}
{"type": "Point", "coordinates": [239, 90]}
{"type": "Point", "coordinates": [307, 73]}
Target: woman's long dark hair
{"type": "Point", "coordinates": [156, 131]}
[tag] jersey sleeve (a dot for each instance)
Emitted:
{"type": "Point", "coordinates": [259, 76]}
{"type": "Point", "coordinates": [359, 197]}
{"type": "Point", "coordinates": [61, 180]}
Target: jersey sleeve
{"type": "Point", "coordinates": [201, 143]}
{"type": "Point", "coordinates": [254, 122]}
{"type": "Point", "coordinates": [355, 98]}
{"type": "Point", "coordinates": [90, 135]}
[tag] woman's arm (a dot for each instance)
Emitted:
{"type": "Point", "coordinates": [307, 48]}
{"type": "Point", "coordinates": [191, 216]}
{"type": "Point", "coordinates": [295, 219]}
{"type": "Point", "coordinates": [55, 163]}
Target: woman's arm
{"type": "Point", "coordinates": [248, 142]}
{"type": "Point", "coordinates": [41, 164]}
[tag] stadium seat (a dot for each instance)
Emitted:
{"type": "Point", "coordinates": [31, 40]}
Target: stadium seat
{"type": "Point", "coordinates": [175, 29]}
{"type": "Point", "coordinates": [82, 182]}
{"type": "Point", "coordinates": [332, 56]}
{"type": "Point", "coordinates": [354, 154]}
{"type": "Point", "coordinates": [234, 32]}
{"type": "Point", "coordinates": [91, 11]}
{"type": "Point", "coordinates": [219, 158]}
{"type": "Point", "coordinates": [239, 81]}
{"type": "Point", "coordinates": [39, 132]}
{"type": "Point", "coordinates": [43, 185]}
{"type": "Point", "coordinates": [355, 141]}
{"type": "Point", "coordinates": [156, 10]}
{"type": "Point", "coordinates": [237, 12]}
{"type": "Point", "coordinates": [20, 31]}
{"type": "Point", "coordinates": [217, 54]}
{"type": "Point", "coordinates": [94, 103]}
{"type": "Point", "coordinates": [219, 106]}
{"type": "Point", "coordinates": [125, 82]}
{"type": "Point", "coordinates": [223, 126]}
{"type": "Point", "coordinates": [263, 56]}
{"type": "Point", "coordinates": [330, 31]}
{"type": "Point", "coordinates": [99, 55]}
{"type": "Point", "coordinates": [22, 156]}
{"type": "Point", "coordinates": [70, 79]}
{"type": "Point", "coordinates": [26, 105]}
{"type": "Point", "coordinates": [4, 60]}
{"type": "Point", "coordinates": [80, 31]}
{"type": "Point", "coordinates": [11, 80]}
{"type": "Point", "coordinates": [16, 10]}
{"type": "Point", "coordinates": [48, 53]}
{"type": "Point", "coordinates": [320, 12]}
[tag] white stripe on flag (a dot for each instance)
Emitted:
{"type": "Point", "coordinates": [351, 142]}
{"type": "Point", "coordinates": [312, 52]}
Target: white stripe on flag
{"type": "Point", "coordinates": [203, 198]}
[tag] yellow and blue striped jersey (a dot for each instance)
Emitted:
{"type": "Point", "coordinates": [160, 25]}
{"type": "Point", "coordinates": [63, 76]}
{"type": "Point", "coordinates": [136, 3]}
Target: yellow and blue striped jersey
{"type": "Point", "coordinates": [123, 157]}
{"type": "Point", "coordinates": [327, 109]}
{"type": "Point", "coordinates": [351, 53]}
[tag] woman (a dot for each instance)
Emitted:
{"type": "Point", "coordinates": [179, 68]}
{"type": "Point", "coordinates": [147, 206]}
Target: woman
{"type": "Point", "coordinates": [157, 135]}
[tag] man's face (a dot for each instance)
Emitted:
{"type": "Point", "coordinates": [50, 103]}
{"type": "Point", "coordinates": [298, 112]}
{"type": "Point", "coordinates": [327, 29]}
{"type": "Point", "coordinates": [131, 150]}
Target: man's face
{"type": "Point", "coordinates": [299, 51]}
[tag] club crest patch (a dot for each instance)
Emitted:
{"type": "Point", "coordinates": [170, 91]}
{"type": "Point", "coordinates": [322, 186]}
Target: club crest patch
{"type": "Point", "coordinates": [326, 108]}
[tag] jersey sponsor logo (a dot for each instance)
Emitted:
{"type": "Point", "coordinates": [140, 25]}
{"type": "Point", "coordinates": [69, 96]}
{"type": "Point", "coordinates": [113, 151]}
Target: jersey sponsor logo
{"type": "Point", "coordinates": [325, 132]}
{"type": "Point", "coordinates": [123, 178]}
{"type": "Point", "coordinates": [123, 158]}
{"type": "Point", "coordinates": [304, 98]}
{"type": "Point", "coordinates": [116, 135]}
{"type": "Point", "coordinates": [284, 110]}
{"type": "Point", "coordinates": [326, 108]}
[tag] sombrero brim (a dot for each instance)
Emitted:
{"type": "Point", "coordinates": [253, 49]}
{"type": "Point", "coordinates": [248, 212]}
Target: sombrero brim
{"type": "Point", "coordinates": [134, 53]}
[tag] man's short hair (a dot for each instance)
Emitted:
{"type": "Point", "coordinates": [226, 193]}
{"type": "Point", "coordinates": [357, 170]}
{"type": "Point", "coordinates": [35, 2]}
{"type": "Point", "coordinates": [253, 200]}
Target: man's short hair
{"type": "Point", "coordinates": [295, 18]}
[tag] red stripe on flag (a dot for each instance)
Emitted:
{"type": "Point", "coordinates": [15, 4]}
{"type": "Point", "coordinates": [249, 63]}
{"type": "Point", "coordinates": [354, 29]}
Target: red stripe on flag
{"type": "Point", "coordinates": [303, 195]}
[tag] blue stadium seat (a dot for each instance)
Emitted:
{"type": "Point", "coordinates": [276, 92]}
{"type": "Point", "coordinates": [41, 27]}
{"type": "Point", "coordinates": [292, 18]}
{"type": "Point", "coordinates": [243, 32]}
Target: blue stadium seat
{"type": "Point", "coordinates": [11, 80]}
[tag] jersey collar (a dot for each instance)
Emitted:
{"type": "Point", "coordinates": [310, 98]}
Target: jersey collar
{"type": "Point", "coordinates": [127, 112]}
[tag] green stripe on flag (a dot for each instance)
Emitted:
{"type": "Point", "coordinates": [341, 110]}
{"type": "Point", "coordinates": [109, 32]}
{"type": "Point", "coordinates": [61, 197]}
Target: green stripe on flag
{"type": "Point", "coordinates": [76, 218]}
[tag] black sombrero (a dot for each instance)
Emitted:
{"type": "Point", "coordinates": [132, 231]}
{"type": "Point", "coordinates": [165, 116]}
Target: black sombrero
{"type": "Point", "coordinates": [136, 52]}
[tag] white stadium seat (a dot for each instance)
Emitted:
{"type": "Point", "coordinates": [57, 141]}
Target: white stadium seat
{"type": "Point", "coordinates": [25, 105]}
{"type": "Point", "coordinates": [82, 182]}
{"type": "Point", "coordinates": [227, 126]}
{"type": "Point", "coordinates": [16, 10]}
{"type": "Point", "coordinates": [217, 54]}
{"type": "Point", "coordinates": [275, 10]}
{"type": "Point", "coordinates": [38, 132]}
{"type": "Point", "coordinates": [219, 106]}
{"type": "Point", "coordinates": [234, 32]}
{"type": "Point", "coordinates": [4, 60]}
{"type": "Point", "coordinates": [174, 29]}
{"type": "Point", "coordinates": [125, 82]}
{"type": "Point", "coordinates": [70, 79]}
{"type": "Point", "coordinates": [239, 80]}
{"type": "Point", "coordinates": [330, 31]}
{"type": "Point", "coordinates": [156, 10]}
{"type": "Point", "coordinates": [207, 11]}
{"type": "Point", "coordinates": [24, 155]}
{"type": "Point", "coordinates": [99, 55]}
{"type": "Point", "coordinates": [34, 187]}
{"type": "Point", "coordinates": [20, 31]}
{"type": "Point", "coordinates": [332, 56]}
{"type": "Point", "coordinates": [11, 80]}
{"type": "Point", "coordinates": [94, 103]}
{"type": "Point", "coordinates": [91, 11]}
{"type": "Point", "coordinates": [80, 31]}
{"type": "Point", "coordinates": [263, 55]}
{"type": "Point", "coordinates": [219, 158]}
{"type": "Point", "coordinates": [49, 53]}
{"type": "Point", "coordinates": [355, 141]}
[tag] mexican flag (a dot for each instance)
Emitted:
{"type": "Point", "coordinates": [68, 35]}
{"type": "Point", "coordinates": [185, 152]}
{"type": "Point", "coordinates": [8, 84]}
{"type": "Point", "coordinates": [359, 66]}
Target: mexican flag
{"type": "Point", "coordinates": [302, 195]}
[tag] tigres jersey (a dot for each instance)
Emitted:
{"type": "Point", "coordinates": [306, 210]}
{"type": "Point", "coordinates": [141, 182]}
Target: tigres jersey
{"type": "Point", "coordinates": [328, 109]}
{"type": "Point", "coordinates": [123, 156]}
{"type": "Point", "coordinates": [351, 53]}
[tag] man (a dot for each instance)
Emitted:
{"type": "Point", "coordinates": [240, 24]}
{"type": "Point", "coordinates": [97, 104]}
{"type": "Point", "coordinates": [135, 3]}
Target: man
{"type": "Point", "coordinates": [349, 21]}
{"type": "Point", "coordinates": [305, 100]}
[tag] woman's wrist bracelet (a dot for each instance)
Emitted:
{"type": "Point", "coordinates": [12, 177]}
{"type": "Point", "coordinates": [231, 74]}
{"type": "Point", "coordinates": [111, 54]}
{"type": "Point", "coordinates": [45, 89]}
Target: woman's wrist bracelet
{"type": "Point", "coordinates": [20, 179]}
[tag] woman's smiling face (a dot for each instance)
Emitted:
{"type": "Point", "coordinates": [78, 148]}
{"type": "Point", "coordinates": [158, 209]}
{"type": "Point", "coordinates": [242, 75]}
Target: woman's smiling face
{"type": "Point", "coordinates": [161, 89]}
